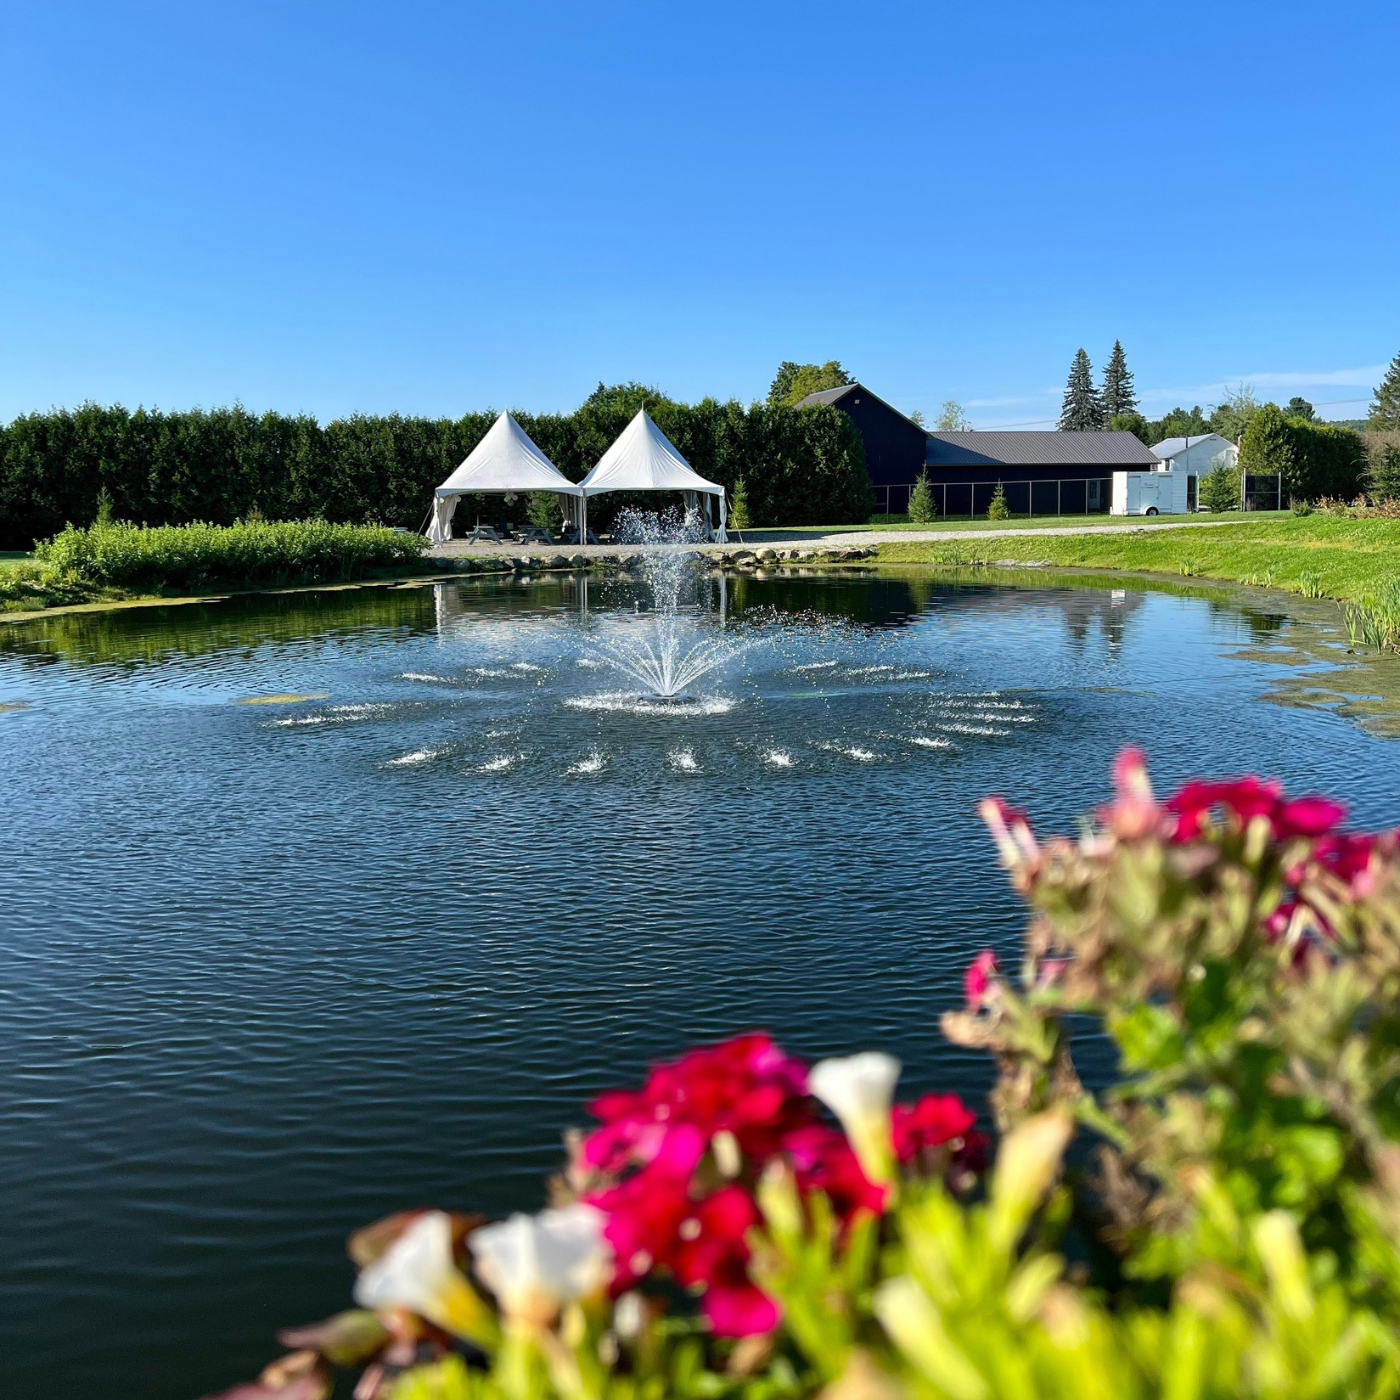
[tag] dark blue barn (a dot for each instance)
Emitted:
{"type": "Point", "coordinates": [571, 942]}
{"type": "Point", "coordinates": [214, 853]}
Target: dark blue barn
{"type": "Point", "coordinates": [1047, 473]}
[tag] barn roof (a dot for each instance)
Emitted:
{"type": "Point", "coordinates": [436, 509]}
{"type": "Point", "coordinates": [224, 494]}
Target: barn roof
{"type": "Point", "coordinates": [836, 395]}
{"type": "Point", "coordinates": [1027, 449]}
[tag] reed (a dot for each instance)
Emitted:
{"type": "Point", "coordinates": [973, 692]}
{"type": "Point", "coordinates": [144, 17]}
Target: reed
{"type": "Point", "coordinates": [248, 554]}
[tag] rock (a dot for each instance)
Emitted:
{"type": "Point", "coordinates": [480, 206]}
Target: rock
{"type": "Point", "coordinates": [578, 561]}
{"type": "Point", "coordinates": [558, 561]}
{"type": "Point", "coordinates": [768, 556]}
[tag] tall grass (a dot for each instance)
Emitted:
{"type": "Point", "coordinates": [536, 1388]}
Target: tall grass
{"type": "Point", "coordinates": [1374, 621]}
{"type": "Point", "coordinates": [246, 554]}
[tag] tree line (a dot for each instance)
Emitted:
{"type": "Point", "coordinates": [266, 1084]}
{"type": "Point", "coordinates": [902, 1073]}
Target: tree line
{"type": "Point", "coordinates": [219, 465]}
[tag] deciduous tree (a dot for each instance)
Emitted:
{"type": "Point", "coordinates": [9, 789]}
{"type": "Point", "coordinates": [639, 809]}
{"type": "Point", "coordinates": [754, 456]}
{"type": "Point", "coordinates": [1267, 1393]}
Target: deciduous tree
{"type": "Point", "coordinates": [793, 382]}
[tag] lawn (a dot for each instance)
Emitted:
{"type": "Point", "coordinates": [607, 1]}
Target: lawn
{"type": "Point", "coordinates": [1017, 522]}
{"type": "Point", "coordinates": [1316, 555]}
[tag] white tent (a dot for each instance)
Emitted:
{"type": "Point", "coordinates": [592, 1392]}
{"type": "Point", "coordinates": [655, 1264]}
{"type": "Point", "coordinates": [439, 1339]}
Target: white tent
{"type": "Point", "coordinates": [505, 461]}
{"type": "Point", "coordinates": [644, 459]}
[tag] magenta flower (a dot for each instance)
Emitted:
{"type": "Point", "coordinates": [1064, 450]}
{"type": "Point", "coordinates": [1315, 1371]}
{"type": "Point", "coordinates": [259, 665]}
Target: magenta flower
{"type": "Point", "coordinates": [978, 978]}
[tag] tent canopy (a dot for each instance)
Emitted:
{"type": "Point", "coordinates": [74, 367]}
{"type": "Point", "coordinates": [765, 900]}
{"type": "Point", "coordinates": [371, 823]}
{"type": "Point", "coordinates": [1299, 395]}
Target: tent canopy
{"type": "Point", "coordinates": [506, 460]}
{"type": "Point", "coordinates": [644, 459]}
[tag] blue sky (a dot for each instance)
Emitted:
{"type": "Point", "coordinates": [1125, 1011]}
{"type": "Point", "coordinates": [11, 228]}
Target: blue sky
{"type": "Point", "coordinates": [440, 207]}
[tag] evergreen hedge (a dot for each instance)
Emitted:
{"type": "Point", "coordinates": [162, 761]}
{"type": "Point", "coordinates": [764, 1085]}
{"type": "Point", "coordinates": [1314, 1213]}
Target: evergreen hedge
{"type": "Point", "coordinates": [800, 466]}
{"type": "Point", "coordinates": [1316, 459]}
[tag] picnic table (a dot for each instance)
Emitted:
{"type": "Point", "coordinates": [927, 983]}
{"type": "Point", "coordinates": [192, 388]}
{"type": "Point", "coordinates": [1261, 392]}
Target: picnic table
{"type": "Point", "coordinates": [482, 534]}
{"type": "Point", "coordinates": [534, 535]}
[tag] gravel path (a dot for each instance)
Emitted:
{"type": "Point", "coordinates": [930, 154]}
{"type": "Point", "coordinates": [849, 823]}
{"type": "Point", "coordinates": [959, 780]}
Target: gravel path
{"type": "Point", "coordinates": [819, 539]}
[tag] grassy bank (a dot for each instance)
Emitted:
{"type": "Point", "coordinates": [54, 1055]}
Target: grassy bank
{"type": "Point", "coordinates": [111, 562]}
{"type": "Point", "coordinates": [1317, 556]}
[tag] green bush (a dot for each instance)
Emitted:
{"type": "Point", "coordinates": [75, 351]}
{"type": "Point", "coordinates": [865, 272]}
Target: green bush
{"type": "Point", "coordinates": [1220, 490]}
{"type": "Point", "coordinates": [922, 506]}
{"type": "Point", "coordinates": [246, 554]}
{"type": "Point", "coordinates": [1315, 459]}
{"type": "Point", "coordinates": [739, 516]}
{"type": "Point", "coordinates": [998, 509]}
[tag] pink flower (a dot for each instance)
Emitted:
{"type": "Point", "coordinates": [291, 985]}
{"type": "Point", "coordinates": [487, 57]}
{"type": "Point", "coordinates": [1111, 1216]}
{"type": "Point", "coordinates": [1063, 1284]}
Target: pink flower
{"type": "Point", "coordinates": [825, 1161]}
{"type": "Point", "coordinates": [736, 1307]}
{"type": "Point", "coordinates": [745, 1086]}
{"type": "Point", "coordinates": [936, 1119]}
{"type": "Point", "coordinates": [1307, 816]}
{"type": "Point", "coordinates": [1134, 811]}
{"type": "Point", "coordinates": [1011, 830]}
{"type": "Point", "coordinates": [978, 977]}
{"type": "Point", "coordinates": [644, 1214]}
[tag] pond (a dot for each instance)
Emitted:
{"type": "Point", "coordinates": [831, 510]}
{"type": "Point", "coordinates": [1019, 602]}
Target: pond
{"type": "Point", "coordinates": [274, 969]}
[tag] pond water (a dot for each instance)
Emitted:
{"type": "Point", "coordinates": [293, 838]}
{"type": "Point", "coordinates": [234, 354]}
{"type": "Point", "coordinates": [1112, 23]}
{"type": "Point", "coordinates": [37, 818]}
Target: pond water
{"type": "Point", "coordinates": [274, 969]}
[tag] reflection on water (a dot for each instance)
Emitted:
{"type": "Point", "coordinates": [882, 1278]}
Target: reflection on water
{"type": "Point", "coordinates": [274, 969]}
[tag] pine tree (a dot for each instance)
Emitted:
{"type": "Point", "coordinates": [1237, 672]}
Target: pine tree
{"type": "Point", "coordinates": [739, 506]}
{"type": "Point", "coordinates": [1385, 407]}
{"type": "Point", "coordinates": [1117, 395]}
{"type": "Point", "coordinates": [1081, 411]}
{"type": "Point", "coordinates": [922, 507]}
{"type": "Point", "coordinates": [999, 510]}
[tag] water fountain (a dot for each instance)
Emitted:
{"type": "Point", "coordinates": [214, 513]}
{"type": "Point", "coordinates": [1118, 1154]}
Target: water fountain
{"type": "Point", "coordinates": [666, 649]}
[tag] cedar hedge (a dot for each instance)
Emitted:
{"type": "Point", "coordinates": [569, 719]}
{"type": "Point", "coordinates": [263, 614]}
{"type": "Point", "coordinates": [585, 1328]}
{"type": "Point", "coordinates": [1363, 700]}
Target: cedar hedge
{"type": "Point", "coordinates": [800, 466]}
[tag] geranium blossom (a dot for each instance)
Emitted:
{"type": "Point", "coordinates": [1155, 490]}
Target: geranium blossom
{"type": "Point", "coordinates": [673, 1167]}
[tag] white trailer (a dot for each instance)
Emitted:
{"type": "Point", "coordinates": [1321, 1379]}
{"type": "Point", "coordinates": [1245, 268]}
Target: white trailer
{"type": "Point", "coordinates": [1158, 492]}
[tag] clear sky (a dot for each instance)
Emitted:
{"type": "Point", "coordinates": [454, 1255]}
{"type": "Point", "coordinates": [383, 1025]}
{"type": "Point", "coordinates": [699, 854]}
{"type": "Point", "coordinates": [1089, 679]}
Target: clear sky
{"type": "Point", "coordinates": [436, 207]}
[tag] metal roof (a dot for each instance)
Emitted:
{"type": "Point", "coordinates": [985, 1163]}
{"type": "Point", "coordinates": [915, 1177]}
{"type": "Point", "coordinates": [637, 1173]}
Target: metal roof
{"type": "Point", "coordinates": [1026, 449]}
{"type": "Point", "coordinates": [831, 395]}
{"type": "Point", "coordinates": [1169, 447]}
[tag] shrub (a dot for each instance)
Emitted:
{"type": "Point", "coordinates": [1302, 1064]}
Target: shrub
{"type": "Point", "coordinates": [1315, 459]}
{"type": "Point", "coordinates": [1220, 490]}
{"type": "Point", "coordinates": [739, 506]}
{"type": "Point", "coordinates": [1235, 1213]}
{"type": "Point", "coordinates": [998, 509]}
{"type": "Point", "coordinates": [198, 556]}
{"type": "Point", "coordinates": [543, 510]}
{"type": "Point", "coordinates": [922, 506]}
{"type": "Point", "coordinates": [1383, 463]}
{"type": "Point", "coordinates": [1300, 508]}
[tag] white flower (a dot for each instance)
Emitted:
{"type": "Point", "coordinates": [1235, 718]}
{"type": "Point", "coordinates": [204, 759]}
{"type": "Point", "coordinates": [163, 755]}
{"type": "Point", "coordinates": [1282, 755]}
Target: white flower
{"type": "Point", "coordinates": [859, 1090]}
{"type": "Point", "coordinates": [417, 1272]}
{"type": "Point", "coordinates": [536, 1263]}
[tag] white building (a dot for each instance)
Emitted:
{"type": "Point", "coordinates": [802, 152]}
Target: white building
{"type": "Point", "coordinates": [1174, 487]}
{"type": "Point", "coordinates": [1195, 458]}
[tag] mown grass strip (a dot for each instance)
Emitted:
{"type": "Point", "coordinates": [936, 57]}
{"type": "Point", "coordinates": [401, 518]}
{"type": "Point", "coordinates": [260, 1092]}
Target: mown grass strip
{"type": "Point", "coordinates": [1319, 557]}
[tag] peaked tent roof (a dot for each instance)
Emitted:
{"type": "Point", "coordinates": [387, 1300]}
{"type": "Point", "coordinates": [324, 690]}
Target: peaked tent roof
{"type": "Point", "coordinates": [506, 460]}
{"type": "Point", "coordinates": [644, 459]}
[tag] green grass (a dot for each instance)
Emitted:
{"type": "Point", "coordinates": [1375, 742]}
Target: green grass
{"type": "Point", "coordinates": [1318, 556]}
